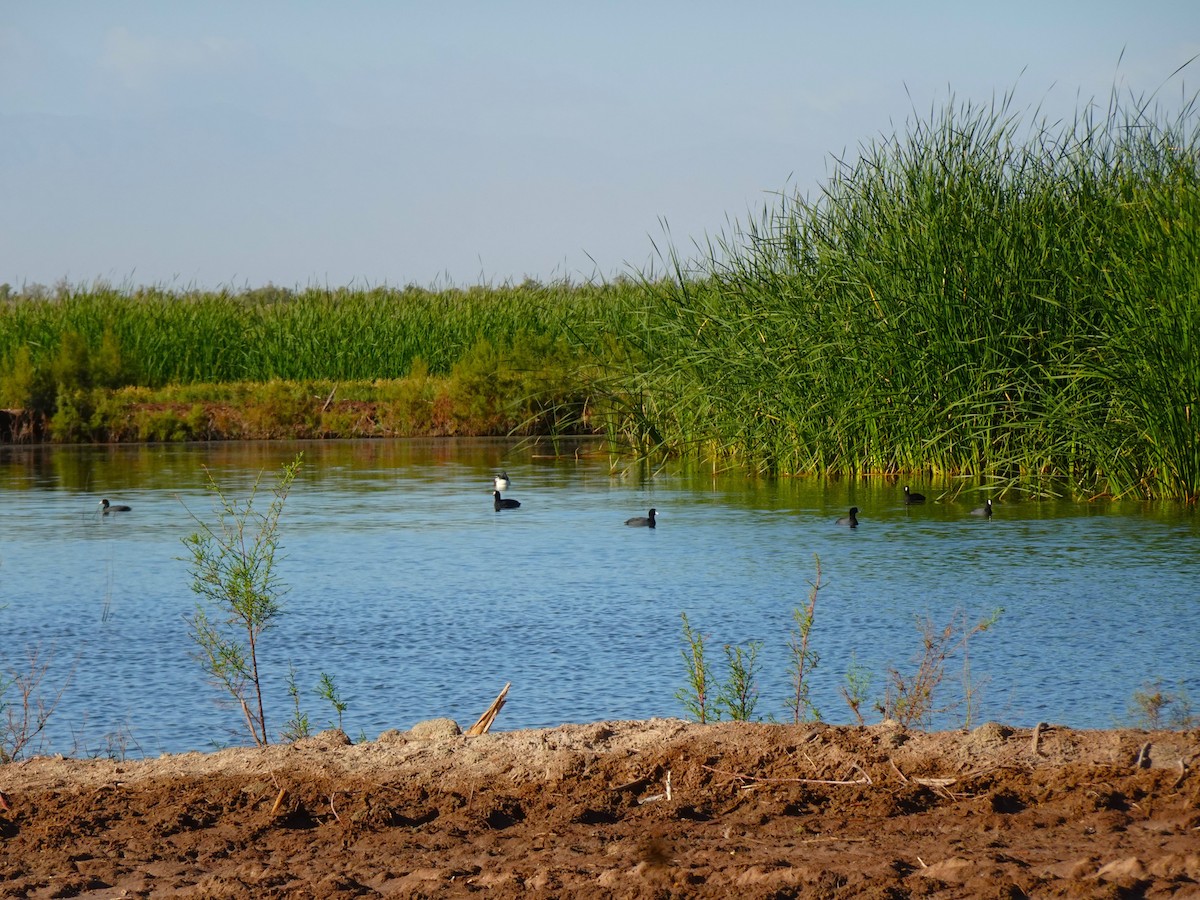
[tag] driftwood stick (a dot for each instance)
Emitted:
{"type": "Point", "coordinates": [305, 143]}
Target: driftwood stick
{"type": "Point", "coordinates": [666, 795]}
{"type": "Point", "coordinates": [329, 399]}
{"type": "Point", "coordinates": [278, 800]}
{"type": "Point", "coordinates": [489, 715]}
{"type": "Point", "coordinates": [1143, 756]}
{"type": "Point", "coordinates": [1037, 737]}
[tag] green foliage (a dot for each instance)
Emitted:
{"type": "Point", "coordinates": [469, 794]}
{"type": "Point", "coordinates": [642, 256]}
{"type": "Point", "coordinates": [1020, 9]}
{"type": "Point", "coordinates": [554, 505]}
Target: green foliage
{"type": "Point", "coordinates": [298, 726]}
{"type": "Point", "coordinates": [108, 368]}
{"type": "Point", "coordinates": [803, 658]}
{"type": "Point", "coordinates": [1153, 707]}
{"type": "Point", "coordinates": [738, 695]}
{"type": "Point", "coordinates": [233, 569]}
{"type": "Point", "coordinates": [22, 386]}
{"type": "Point", "coordinates": [909, 697]}
{"type": "Point", "coordinates": [961, 298]}
{"type": "Point", "coordinates": [704, 698]}
{"type": "Point", "coordinates": [481, 361]}
{"type": "Point", "coordinates": [169, 424]}
{"type": "Point", "coordinates": [284, 409]}
{"type": "Point", "coordinates": [71, 367]}
{"type": "Point", "coordinates": [857, 689]}
{"type": "Point", "coordinates": [697, 696]}
{"type": "Point", "coordinates": [155, 337]}
{"type": "Point", "coordinates": [327, 691]}
{"type": "Point", "coordinates": [69, 422]}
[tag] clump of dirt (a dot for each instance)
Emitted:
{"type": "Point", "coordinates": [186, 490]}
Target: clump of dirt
{"type": "Point", "coordinates": [619, 809]}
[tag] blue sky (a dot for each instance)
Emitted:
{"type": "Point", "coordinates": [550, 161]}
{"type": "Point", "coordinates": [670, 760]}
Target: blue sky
{"type": "Point", "coordinates": [209, 144]}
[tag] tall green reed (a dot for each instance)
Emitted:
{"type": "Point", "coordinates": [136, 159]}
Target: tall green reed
{"type": "Point", "coordinates": [966, 298]}
{"type": "Point", "coordinates": [170, 337]}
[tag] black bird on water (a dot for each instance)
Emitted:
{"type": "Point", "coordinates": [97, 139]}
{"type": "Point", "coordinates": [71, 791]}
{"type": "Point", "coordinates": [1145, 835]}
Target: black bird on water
{"type": "Point", "coordinates": [500, 503]}
{"type": "Point", "coordinates": [642, 521]}
{"type": "Point", "coordinates": [985, 510]}
{"type": "Point", "coordinates": [911, 498]}
{"type": "Point", "coordinates": [107, 507]}
{"type": "Point", "coordinates": [851, 520]}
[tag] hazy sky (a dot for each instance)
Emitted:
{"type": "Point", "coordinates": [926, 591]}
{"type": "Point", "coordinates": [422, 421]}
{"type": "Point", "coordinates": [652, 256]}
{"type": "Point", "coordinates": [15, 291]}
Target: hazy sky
{"type": "Point", "coordinates": [238, 143]}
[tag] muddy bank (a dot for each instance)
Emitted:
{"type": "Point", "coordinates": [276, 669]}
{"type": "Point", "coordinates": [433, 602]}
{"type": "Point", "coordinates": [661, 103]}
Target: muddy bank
{"type": "Point", "coordinates": [620, 809]}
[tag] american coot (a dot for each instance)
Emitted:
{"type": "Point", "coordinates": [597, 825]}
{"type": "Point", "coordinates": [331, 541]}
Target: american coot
{"type": "Point", "coordinates": [501, 482]}
{"type": "Point", "coordinates": [642, 521]}
{"type": "Point", "coordinates": [110, 508]}
{"type": "Point", "coordinates": [500, 504]}
{"type": "Point", "coordinates": [910, 498]}
{"type": "Point", "coordinates": [851, 520]}
{"type": "Point", "coordinates": [985, 510]}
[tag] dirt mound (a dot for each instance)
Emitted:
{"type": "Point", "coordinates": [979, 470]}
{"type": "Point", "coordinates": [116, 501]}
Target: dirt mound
{"type": "Point", "coordinates": [620, 809]}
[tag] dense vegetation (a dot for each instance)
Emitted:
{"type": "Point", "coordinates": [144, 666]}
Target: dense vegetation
{"type": "Point", "coordinates": [956, 300]}
{"type": "Point", "coordinates": [970, 296]}
{"type": "Point", "coordinates": [101, 363]}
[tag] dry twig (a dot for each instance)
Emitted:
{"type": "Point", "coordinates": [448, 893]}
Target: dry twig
{"type": "Point", "coordinates": [1143, 757]}
{"type": "Point", "coordinates": [485, 721]}
{"type": "Point", "coordinates": [1037, 737]}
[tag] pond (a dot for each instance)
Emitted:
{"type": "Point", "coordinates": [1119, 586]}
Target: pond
{"type": "Point", "coordinates": [419, 600]}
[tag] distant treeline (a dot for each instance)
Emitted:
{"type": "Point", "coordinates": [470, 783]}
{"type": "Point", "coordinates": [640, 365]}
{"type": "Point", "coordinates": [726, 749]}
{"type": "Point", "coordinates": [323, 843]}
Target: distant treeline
{"type": "Point", "coordinates": [971, 297]}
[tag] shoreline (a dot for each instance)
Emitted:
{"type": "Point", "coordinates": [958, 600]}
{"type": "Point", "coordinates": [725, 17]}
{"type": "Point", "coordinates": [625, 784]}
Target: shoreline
{"type": "Point", "coordinates": [620, 809]}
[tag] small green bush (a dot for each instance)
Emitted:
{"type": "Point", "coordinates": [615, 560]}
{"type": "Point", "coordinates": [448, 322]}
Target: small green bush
{"type": "Point", "coordinates": [233, 569]}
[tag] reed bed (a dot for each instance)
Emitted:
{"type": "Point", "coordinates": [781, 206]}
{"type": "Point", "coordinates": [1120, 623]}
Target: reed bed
{"type": "Point", "coordinates": [960, 299]}
{"type": "Point", "coordinates": [165, 337]}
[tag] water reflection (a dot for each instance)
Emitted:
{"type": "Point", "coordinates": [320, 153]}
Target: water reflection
{"type": "Point", "coordinates": [421, 601]}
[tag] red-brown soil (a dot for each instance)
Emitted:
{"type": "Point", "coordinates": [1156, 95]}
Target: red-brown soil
{"type": "Point", "coordinates": [656, 808]}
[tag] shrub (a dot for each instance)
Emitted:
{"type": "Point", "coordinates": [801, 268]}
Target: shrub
{"type": "Point", "coordinates": [233, 570]}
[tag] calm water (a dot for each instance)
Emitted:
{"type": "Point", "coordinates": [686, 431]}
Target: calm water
{"type": "Point", "coordinates": [421, 601]}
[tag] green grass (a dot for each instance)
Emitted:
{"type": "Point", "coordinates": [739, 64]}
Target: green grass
{"type": "Point", "coordinates": [967, 298]}
{"type": "Point", "coordinates": [164, 337]}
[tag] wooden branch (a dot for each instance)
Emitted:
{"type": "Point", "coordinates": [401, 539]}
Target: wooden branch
{"type": "Point", "coordinates": [259, 741]}
{"type": "Point", "coordinates": [329, 399]}
{"type": "Point", "coordinates": [1037, 736]}
{"type": "Point", "coordinates": [1143, 757]}
{"type": "Point", "coordinates": [663, 796]}
{"type": "Point", "coordinates": [485, 721]}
